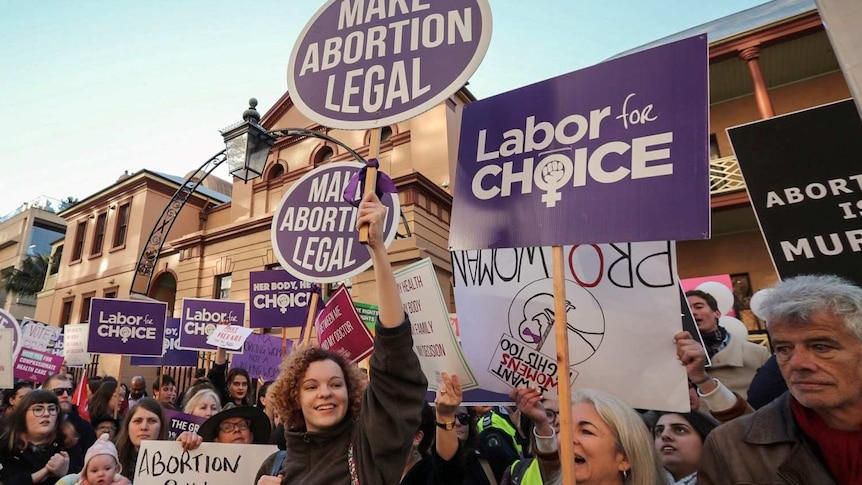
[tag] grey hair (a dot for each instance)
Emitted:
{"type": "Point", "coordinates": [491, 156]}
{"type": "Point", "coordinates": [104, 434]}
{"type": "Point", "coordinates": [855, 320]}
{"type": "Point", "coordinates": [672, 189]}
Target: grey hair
{"type": "Point", "coordinates": [796, 300]}
{"type": "Point", "coordinates": [198, 396]}
{"type": "Point", "coordinates": [632, 437]}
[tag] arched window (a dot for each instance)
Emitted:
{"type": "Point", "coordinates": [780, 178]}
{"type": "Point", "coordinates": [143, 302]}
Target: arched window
{"type": "Point", "coordinates": [323, 155]}
{"type": "Point", "coordinates": [385, 133]}
{"type": "Point", "coordinates": [276, 171]}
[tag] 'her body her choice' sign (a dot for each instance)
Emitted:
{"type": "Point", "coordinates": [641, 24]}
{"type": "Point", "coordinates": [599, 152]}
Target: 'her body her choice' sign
{"type": "Point", "coordinates": [199, 319]}
{"type": "Point", "coordinates": [340, 329]}
{"type": "Point", "coordinates": [434, 338]}
{"type": "Point", "coordinates": [613, 152]}
{"type": "Point", "coordinates": [361, 64]}
{"type": "Point", "coordinates": [173, 355]}
{"type": "Point", "coordinates": [314, 230]}
{"type": "Point", "coordinates": [166, 463]}
{"type": "Point", "coordinates": [623, 310]}
{"type": "Point", "coordinates": [277, 299]}
{"type": "Point", "coordinates": [804, 180]}
{"type": "Point", "coordinates": [126, 327]}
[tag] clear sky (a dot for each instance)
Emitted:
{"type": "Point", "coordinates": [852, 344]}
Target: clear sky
{"type": "Point", "coordinates": [90, 89]}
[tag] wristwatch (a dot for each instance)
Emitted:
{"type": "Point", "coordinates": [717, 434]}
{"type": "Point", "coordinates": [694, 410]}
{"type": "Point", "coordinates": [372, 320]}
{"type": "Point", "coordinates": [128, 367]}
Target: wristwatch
{"type": "Point", "coordinates": [449, 425]}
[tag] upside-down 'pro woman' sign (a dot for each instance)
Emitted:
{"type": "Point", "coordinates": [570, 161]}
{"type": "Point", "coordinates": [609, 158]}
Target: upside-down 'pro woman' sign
{"type": "Point", "coordinates": [314, 230]}
{"type": "Point", "coordinates": [359, 64]}
{"type": "Point", "coordinates": [127, 327]}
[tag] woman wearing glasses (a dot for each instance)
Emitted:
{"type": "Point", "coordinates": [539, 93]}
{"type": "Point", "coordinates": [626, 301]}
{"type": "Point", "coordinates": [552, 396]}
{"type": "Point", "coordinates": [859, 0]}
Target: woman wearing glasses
{"type": "Point", "coordinates": [31, 445]}
{"type": "Point", "coordinates": [243, 425]}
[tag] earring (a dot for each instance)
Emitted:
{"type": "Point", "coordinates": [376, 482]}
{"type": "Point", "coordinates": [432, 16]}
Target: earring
{"type": "Point", "coordinates": [625, 475]}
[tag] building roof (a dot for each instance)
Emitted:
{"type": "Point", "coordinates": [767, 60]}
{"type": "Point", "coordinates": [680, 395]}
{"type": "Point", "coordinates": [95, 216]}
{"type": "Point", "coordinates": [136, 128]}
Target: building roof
{"type": "Point", "coordinates": [736, 24]}
{"type": "Point", "coordinates": [205, 191]}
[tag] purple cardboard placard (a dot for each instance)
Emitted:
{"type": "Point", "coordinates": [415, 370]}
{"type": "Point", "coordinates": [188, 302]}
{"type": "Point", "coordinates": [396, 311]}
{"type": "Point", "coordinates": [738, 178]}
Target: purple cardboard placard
{"type": "Point", "coordinates": [341, 329]}
{"type": "Point", "coordinates": [277, 299]}
{"type": "Point", "coordinates": [613, 152]}
{"type": "Point", "coordinates": [173, 355]}
{"type": "Point", "coordinates": [261, 356]}
{"type": "Point", "coordinates": [200, 317]}
{"type": "Point", "coordinates": [180, 421]}
{"type": "Point", "coordinates": [37, 366]}
{"type": "Point", "coordinates": [360, 64]}
{"type": "Point", "coordinates": [314, 230]}
{"type": "Point", "coordinates": [126, 327]}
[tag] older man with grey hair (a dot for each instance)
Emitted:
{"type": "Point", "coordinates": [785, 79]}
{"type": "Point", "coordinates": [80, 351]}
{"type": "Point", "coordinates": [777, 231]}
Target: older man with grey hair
{"type": "Point", "coordinates": [811, 434]}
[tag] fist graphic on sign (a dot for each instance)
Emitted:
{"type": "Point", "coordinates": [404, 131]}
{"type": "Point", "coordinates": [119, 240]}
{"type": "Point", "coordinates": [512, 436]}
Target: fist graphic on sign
{"type": "Point", "coordinates": [552, 173]}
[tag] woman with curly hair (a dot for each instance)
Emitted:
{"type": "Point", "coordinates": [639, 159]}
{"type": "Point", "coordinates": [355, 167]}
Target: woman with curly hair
{"type": "Point", "coordinates": [31, 446]}
{"type": "Point", "coordinates": [339, 431]}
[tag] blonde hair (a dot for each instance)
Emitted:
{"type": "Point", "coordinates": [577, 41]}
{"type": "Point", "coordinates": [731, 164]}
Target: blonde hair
{"type": "Point", "coordinates": [632, 437]}
{"type": "Point", "coordinates": [197, 397]}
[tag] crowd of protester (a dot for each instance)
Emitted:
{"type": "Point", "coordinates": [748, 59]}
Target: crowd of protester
{"type": "Point", "coordinates": [335, 425]}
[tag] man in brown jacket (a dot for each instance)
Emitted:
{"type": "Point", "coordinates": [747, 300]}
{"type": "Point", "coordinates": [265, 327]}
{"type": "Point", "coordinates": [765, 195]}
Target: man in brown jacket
{"type": "Point", "coordinates": [811, 434]}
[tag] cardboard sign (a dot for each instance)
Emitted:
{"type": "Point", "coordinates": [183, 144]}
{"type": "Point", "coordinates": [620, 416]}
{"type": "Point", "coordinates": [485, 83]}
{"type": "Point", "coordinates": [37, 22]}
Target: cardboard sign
{"type": "Point", "coordinates": [314, 230]}
{"type": "Point", "coordinates": [35, 365]}
{"type": "Point", "coordinates": [614, 152]}
{"type": "Point", "coordinates": [39, 336]}
{"type": "Point", "coordinates": [7, 354]}
{"type": "Point", "coordinates": [361, 64]}
{"type": "Point", "coordinates": [166, 463]}
{"type": "Point", "coordinates": [173, 355]}
{"type": "Point", "coordinates": [434, 339]}
{"type": "Point", "coordinates": [180, 421]}
{"type": "Point", "coordinates": [75, 344]}
{"type": "Point", "coordinates": [8, 321]}
{"type": "Point", "coordinates": [623, 309]}
{"type": "Point", "coordinates": [261, 356]}
{"type": "Point", "coordinates": [228, 336]}
{"type": "Point", "coordinates": [340, 329]}
{"type": "Point", "coordinates": [803, 177]}
{"type": "Point", "coordinates": [277, 299]}
{"type": "Point", "coordinates": [200, 317]}
{"type": "Point", "coordinates": [126, 327]}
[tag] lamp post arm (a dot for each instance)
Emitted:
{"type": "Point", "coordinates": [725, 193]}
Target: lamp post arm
{"type": "Point", "coordinates": [153, 247]}
{"type": "Point", "coordinates": [280, 133]}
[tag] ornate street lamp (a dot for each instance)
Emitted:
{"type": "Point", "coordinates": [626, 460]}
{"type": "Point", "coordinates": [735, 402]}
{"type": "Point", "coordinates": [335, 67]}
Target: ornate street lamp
{"type": "Point", "coordinates": [248, 145]}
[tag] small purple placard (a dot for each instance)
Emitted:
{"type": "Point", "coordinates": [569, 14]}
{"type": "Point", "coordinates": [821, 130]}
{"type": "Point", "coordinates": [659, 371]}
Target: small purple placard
{"type": "Point", "coordinates": [126, 327]}
{"type": "Point", "coordinates": [261, 356]}
{"type": "Point", "coordinates": [341, 329]}
{"type": "Point", "coordinates": [200, 317]}
{"type": "Point", "coordinates": [36, 366]}
{"type": "Point", "coordinates": [277, 299]}
{"type": "Point", "coordinates": [173, 356]}
{"type": "Point", "coordinates": [180, 421]}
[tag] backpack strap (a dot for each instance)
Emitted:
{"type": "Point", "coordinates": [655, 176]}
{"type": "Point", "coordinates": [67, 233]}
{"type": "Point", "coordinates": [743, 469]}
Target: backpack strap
{"type": "Point", "coordinates": [279, 459]}
{"type": "Point", "coordinates": [488, 472]}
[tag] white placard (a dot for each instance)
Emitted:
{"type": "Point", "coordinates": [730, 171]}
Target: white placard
{"type": "Point", "coordinates": [75, 344]}
{"type": "Point", "coordinates": [434, 339]}
{"type": "Point", "coordinates": [229, 337]}
{"type": "Point", "coordinates": [7, 352]}
{"type": "Point", "coordinates": [623, 311]}
{"type": "Point", "coordinates": [165, 462]}
{"type": "Point", "coordinates": [39, 336]}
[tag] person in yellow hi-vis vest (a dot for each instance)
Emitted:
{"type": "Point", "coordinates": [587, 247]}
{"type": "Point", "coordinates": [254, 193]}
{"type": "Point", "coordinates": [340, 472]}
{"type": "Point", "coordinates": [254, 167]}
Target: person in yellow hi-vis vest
{"type": "Point", "coordinates": [498, 441]}
{"type": "Point", "coordinates": [546, 424]}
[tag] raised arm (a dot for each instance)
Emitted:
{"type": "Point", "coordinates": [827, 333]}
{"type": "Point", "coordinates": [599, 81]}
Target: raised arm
{"type": "Point", "coordinates": [373, 212]}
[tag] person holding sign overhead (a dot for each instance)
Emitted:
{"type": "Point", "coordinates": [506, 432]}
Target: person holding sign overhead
{"type": "Point", "coordinates": [338, 433]}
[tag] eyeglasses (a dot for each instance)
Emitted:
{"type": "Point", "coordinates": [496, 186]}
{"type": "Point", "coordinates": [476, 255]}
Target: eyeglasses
{"type": "Point", "coordinates": [231, 427]}
{"type": "Point", "coordinates": [551, 414]}
{"type": "Point", "coordinates": [64, 390]}
{"type": "Point", "coordinates": [463, 418]}
{"type": "Point", "coordinates": [42, 411]}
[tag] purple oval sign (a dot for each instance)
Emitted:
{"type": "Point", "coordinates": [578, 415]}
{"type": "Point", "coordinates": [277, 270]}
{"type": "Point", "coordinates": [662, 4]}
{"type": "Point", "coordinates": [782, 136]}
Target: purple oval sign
{"type": "Point", "coordinates": [361, 64]}
{"type": "Point", "coordinates": [314, 230]}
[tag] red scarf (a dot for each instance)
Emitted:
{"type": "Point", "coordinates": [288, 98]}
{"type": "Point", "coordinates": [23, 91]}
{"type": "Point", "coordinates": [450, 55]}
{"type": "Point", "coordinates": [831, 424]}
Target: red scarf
{"type": "Point", "coordinates": [842, 450]}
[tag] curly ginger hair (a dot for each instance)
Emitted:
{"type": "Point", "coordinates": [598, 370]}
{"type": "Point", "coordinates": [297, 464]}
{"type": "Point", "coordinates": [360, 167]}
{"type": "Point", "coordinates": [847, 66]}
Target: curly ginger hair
{"type": "Point", "coordinates": [285, 390]}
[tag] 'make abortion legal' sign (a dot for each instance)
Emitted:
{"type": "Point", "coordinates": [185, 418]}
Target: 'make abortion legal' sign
{"type": "Point", "coordinates": [361, 64]}
{"type": "Point", "coordinates": [314, 230]}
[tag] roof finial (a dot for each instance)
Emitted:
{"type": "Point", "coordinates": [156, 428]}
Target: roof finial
{"type": "Point", "coordinates": [251, 113]}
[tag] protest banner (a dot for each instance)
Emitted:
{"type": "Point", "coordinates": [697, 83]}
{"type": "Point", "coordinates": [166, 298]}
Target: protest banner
{"type": "Point", "coordinates": [614, 152]}
{"type": "Point", "coordinates": [434, 339]}
{"type": "Point", "coordinates": [200, 316]}
{"type": "Point", "coordinates": [7, 358]}
{"type": "Point", "coordinates": [622, 309]}
{"type": "Point", "coordinates": [35, 365]}
{"type": "Point", "coordinates": [173, 355]}
{"type": "Point", "coordinates": [340, 329]}
{"type": "Point", "coordinates": [75, 344]}
{"type": "Point", "coordinates": [8, 321]}
{"type": "Point", "coordinates": [39, 336]}
{"type": "Point", "coordinates": [166, 463]}
{"type": "Point", "coordinates": [126, 327]}
{"type": "Point", "coordinates": [362, 64]}
{"type": "Point", "coordinates": [277, 299]}
{"type": "Point", "coordinates": [180, 421]}
{"type": "Point", "coordinates": [368, 313]}
{"type": "Point", "coordinates": [810, 213]}
{"type": "Point", "coordinates": [261, 356]}
{"type": "Point", "coordinates": [59, 346]}
{"type": "Point", "coordinates": [229, 337]}
{"type": "Point", "coordinates": [314, 230]}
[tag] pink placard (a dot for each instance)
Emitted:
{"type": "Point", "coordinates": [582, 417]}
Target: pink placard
{"type": "Point", "coordinates": [340, 329]}
{"type": "Point", "coordinates": [36, 366]}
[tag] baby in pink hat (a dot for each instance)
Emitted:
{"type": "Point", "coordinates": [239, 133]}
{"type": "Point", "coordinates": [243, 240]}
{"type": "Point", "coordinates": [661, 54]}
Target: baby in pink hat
{"type": "Point", "coordinates": [102, 465]}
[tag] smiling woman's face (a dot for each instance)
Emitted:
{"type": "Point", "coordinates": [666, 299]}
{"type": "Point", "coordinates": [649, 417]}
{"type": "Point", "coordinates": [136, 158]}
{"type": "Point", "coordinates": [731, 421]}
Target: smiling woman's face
{"type": "Point", "coordinates": [323, 395]}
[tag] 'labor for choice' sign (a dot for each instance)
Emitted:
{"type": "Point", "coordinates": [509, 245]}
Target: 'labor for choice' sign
{"type": "Point", "coordinates": [126, 327]}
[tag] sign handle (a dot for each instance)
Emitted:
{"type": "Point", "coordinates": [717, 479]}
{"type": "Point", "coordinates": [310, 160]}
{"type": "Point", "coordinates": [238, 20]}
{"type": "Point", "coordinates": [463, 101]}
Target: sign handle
{"type": "Point", "coordinates": [565, 388]}
{"type": "Point", "coordinates": [283, 342]}
{"type": "Point", "coordinates": [117, 392]}
{"type": "Point", "coordinates": [312, 311]}
{"type": "Point", "coordinates": [370, 177]}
